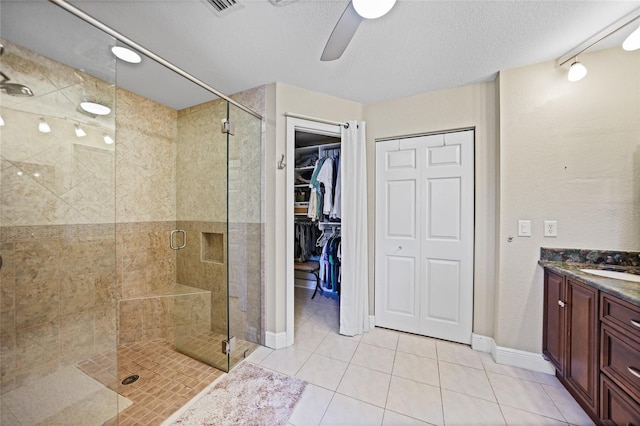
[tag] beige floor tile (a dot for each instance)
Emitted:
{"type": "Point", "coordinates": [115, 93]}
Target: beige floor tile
{"type": "Point", "coordinates": [374, 357]}
{"type": "Point", "coordinates": [462, 409]}
{"type": "Point", "coordinates": [416, 400]}
{"type": "Point", "coordinates": [467, 380]}
{"type": "Point", "coordinates": [381, 337]}
{"type": "Point", "coordinates": [311, 407]}
{"type": "Point", "coordinates": [524, 395]}
{"type": "Point", "coordinates": [570, 409]}
{"type": "Point", "coordinates": [416, 368]}
{"type": "Point", "coordinates": [308, 339]}
{"type": "Point", "coordinates": [395, 419]}
{"type": "Point", "coordinates": [417, 345]}
{"type": "Point", "coordinates": [365, 385]}
{"type": "Point", "coordinates": [259, 354]}
{"type": "Point", "coordinates": [491, 366]}
{"type": "Point", "coordinates": [286, 361]}
{"type": "Point", "coordinates": [322, 371]}
{"type": "Point", "coordinates": [348, 411]}
{"type": "Point", "coordinates": [457, 353]}
{"type": "Point", "coordinates": [515, 417]}
{"type": "Point", "coordinates": [337, 347]}
{"type": "Point", "coordinates": [318, 324]}
{"type": "Point", "coordinates": [547, 379]}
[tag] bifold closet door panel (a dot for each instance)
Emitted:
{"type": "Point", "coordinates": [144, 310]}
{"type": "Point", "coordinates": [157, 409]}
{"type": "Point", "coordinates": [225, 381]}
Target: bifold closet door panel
{"type": "Point", "coordinates": [424, 235]}
{"type": "Point", "coordinates": [397, 270]}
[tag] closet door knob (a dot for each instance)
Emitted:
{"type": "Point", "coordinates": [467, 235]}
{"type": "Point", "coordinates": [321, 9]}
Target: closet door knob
{"type": "Point", "coordinates": [399, 247]}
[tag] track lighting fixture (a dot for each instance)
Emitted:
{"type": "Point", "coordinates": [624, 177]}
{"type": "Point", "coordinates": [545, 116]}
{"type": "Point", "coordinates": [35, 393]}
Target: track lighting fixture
{"type": "Point", "coordinates": [632, 42]}
{"type": "Point", "coordinates": [43, 126]}
{"type": "Point", "coordinates": [80, 131]}
{"type": "Point", "coordinates": [108, 139]}
{"type": "Point", "coordinates": [577, 71]}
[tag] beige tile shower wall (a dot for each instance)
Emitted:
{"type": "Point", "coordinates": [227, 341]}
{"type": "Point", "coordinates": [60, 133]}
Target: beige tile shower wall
{"type": "Point", "coordinates": [145, 160]}
{"type": "Point", "coordinates": [58, 298]}
{"type": "Point", "coordinates": [201, 164]}
{"type": "Point", "coordinates": [206, 272]}
{"type": "Point", "coordinates": [54, 178]}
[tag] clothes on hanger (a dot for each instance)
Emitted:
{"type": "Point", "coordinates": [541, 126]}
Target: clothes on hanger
{"type": "Point", "coordinates": [306, 235]}
{"type": "Point", "coordinates": [330, 273]}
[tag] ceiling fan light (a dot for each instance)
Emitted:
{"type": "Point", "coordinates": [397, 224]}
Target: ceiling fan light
{"type": "Point", "coordinates": [372, 9]}
{"type": "Point", "coordinates": [633, 41]}
{"type": "Point", "coordinates": [577, 71]}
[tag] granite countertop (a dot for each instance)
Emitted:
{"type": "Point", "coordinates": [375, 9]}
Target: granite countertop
{"type": "Point", "coordinates": [570, 261]}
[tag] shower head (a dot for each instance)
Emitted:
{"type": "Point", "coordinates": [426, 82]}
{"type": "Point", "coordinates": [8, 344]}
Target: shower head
{"type": "Point", "coordinates": [14, 89]}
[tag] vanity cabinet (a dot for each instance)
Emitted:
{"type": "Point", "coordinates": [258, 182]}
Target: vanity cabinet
{"type": "Point", "coordinates": [593, 340]}
{"type": "Point", "coordinates": [570, 336]}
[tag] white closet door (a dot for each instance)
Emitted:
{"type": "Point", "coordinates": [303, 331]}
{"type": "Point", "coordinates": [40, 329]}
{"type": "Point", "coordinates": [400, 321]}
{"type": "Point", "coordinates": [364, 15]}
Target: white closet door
{"type": "Point", "coordinates": [424, 235]}
{"type": "Point", "coordinates": [397, 293]}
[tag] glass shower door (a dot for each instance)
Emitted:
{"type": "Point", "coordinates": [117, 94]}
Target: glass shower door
{"type": "Point", "coordinates": [200, 310]}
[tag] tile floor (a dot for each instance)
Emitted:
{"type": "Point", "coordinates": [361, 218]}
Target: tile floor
{"type": "Point", "coordinates": [392, 378]}
{"type": "Point", "coordinates": [168, 379]}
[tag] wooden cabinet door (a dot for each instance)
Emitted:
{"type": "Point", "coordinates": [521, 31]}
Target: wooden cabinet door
{"type": "Point", "coordinates": [581, 366]}
{"type": "Point", "coordinates": [553, 334]}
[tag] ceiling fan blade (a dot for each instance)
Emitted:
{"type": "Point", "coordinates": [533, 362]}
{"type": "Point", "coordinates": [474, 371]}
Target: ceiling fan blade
{"type": "Point", "coordinates": [342, 34]}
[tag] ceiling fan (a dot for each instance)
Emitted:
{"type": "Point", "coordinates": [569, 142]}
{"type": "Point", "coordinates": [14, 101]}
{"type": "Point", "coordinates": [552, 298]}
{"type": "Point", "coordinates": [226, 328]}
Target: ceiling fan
{"type": "Point", "coordinates": [356, 12]}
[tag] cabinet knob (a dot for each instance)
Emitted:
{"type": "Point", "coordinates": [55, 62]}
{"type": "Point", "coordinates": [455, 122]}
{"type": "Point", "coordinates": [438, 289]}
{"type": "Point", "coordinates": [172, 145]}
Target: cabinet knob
{"type": "Point", "coordinates": [561, 303]}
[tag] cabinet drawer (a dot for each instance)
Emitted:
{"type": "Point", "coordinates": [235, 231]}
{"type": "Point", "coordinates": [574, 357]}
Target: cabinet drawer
{"type": "Point", "coordinates": [620, 360]}
{"type": "Point", "coordinates": [616, 408]}
{"type": "Point", "coordinates": [620, 313]}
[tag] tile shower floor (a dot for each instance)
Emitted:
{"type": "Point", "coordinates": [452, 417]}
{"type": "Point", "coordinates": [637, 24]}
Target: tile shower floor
{"type": "Point", "coordinates": [167, 379]}
{"type": "Point", "coordinates": [392, 378]}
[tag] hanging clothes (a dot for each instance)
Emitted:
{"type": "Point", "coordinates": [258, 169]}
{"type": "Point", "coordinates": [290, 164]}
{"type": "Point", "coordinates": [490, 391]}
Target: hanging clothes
{"type": "Point", "coordinates": [336, 210]}
{"type": "Point", "coordinates": [314, 210]}
{"type": "Point", "coordinates": [325, 177]}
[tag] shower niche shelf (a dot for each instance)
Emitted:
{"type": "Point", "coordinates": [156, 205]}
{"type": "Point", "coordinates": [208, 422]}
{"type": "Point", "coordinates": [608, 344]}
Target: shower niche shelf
{"type": "Point", "coordinates": [212, 247]}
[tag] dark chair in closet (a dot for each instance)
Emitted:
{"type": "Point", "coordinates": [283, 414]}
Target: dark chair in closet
{"type": "Point", "coordinates": [310, 267]}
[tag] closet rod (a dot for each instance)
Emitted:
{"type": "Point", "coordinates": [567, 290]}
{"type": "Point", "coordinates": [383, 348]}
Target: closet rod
{"type": "Point", "coordinates": [319, 120]}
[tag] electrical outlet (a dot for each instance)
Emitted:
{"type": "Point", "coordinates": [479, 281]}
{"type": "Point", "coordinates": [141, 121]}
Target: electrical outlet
{"type": "Point", "coordinates": [550, 228]}
{"type": "Point", "coordinates": [524, 228]}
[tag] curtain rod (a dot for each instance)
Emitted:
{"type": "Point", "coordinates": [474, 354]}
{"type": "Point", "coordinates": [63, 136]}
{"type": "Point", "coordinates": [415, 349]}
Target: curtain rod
{"type": "Point", "coordinates": [319, 120]}
{"type": "Point", "coordinates": [124, 39]}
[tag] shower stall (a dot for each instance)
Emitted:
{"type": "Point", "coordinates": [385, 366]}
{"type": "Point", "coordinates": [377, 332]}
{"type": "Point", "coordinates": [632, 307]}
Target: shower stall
{"type": "Point", "coordinates": [136, 230]}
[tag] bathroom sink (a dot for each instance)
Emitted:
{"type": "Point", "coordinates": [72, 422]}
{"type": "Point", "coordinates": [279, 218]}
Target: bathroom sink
{"type": "Point", "coordinates": [613, 274]}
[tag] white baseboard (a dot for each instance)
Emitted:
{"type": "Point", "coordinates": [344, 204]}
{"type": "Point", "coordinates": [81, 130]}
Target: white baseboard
{"type": "Point", "coordinates": [275, 340]}
{"type": "Point", "coordinates": [482, 343]}
{"type": "Point", "coordinates": [372, 322]}
{"type": "Point", "coordinates": [513, 357]}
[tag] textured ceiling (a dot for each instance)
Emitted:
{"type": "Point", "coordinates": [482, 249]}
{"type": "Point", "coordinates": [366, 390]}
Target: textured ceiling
{"type": "Point", "coordinates": [419, 46]}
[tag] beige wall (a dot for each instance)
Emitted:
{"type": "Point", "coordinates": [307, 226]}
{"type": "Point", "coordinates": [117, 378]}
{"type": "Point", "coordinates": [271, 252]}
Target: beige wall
{"type": "Point", "coordinates": [569, 152]}
{"type": "Point", "coordinates": [288, 99]}
{"type": "Point", "coordinates": [464, 107]}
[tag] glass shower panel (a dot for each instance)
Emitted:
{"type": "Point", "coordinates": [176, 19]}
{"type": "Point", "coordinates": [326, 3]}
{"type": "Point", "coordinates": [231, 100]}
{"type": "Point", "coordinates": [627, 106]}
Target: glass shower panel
{"type": "Point", "coordinates": [245, 196]}
{"type": "Point", "coordinates": [201, 314]}
{"type": "Point", "coordinates": [57, 222]}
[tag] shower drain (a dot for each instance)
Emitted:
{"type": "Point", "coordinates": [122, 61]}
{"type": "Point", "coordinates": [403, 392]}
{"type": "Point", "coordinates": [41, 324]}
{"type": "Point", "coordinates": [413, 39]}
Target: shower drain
{"type": "Point", "coordinates": [130, 379]}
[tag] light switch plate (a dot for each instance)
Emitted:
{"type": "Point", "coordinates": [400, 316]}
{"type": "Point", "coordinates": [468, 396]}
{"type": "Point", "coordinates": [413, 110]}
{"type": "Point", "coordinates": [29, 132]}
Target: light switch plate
{"type": "Point", "coordinates": [524, 228]}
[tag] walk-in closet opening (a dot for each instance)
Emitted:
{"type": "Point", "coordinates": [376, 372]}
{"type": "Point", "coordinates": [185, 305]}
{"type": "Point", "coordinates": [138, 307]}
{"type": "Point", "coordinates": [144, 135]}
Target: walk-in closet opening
{"type": "Point", "coordinates": [314, 229]}
{"type": "Point", "coordinates": [317, 229]}
{"type": "Point", "coordinates": [131, 235]}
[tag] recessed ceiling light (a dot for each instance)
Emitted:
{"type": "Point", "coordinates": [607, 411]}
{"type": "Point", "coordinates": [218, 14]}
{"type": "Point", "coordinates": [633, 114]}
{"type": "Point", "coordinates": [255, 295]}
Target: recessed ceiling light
{"type": "Point", "coordinates": [126, 54]}
{"type": "Point", "coordinates": [95, 108]}
{"type": "Point", "coordinates": [372, 9]}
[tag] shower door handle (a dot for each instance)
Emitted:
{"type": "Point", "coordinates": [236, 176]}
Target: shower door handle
{"type": "Point", "coordinates": [172, 239]}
